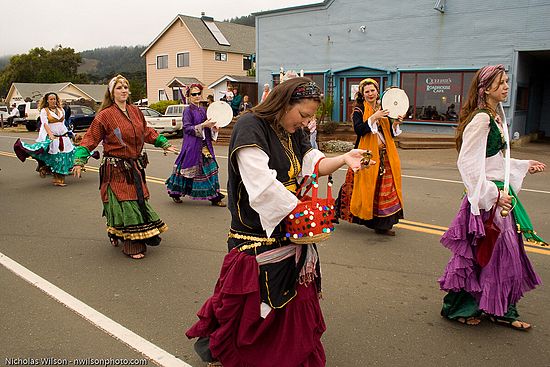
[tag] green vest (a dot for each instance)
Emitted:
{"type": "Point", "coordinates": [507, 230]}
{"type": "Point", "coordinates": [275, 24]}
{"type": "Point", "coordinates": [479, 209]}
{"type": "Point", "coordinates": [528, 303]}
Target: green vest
{"type": "Point", "coordinates": [495, 139]}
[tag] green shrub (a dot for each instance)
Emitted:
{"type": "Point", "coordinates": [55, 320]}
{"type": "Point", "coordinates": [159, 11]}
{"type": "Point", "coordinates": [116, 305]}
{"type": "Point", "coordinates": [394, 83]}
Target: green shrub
{"type": "Point", "coordinates": [324, 111]}
{"type": "Point", "coordinates": [161, 106]}
{"type": "Point", "coordinates": [328, 127]}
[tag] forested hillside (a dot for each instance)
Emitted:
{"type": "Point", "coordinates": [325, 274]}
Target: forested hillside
{"type": "Point", "coordinates": [107, 61]}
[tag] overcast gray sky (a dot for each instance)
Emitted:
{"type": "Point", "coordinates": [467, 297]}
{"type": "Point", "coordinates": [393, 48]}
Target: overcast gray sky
{"type": "Point", "coordinates": [84, 25]}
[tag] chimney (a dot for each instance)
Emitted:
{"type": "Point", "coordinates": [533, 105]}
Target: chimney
{"type": "Point", "coordinates": [204, 17]}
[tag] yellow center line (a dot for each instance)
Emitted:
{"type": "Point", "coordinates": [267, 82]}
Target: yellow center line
{"type": "Point", "coordinates": [404, 224]}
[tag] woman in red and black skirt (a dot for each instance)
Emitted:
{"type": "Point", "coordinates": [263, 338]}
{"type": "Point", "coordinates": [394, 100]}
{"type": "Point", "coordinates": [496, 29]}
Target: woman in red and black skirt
{"type": "Point", "coordinates": [265, 307]}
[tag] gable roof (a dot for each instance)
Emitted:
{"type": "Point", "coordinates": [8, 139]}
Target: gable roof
{"type": "Point", "coordinates": [178, 81]}
{"type": "Point", "coordinates": [242, 38]}
{"type": "Point", "coordinates": [95, 91]}
{"type": "Point", "coordinates": [35, 91]}
{"type": "Point", "coordinates": [233, 79]}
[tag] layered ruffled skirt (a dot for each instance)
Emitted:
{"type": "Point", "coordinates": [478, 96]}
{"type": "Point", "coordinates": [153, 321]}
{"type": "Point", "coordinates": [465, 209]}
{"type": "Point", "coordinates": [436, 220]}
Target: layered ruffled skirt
{"type": "Point", "coordinates": [504, 280]}
{"type": "Point", "coordinates": [60, 162]}
{"type": "Point", "coordinates": [199, 182]}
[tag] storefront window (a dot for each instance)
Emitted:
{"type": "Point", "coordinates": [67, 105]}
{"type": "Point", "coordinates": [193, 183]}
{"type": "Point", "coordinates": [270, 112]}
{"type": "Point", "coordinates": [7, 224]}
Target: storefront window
{"type": "Point", "coordinates": [434, 96]}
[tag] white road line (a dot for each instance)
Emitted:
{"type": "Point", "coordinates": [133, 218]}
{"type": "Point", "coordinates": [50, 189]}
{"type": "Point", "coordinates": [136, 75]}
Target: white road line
{"type": "Point", "coordinates": [136, 342]}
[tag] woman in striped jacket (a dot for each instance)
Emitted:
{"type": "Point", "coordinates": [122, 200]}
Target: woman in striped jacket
{"type": "Point", "coordinates": [123, 130]}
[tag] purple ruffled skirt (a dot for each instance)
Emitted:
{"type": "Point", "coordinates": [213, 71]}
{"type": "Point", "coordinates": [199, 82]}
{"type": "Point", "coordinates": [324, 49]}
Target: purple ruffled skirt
{"type": "Point", "coordinates": [507, 276]}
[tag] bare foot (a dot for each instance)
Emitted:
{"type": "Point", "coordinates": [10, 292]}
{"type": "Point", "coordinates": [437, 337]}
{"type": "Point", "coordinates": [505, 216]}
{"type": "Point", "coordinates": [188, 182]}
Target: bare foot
{"type": "Point", "coordinates": [137, 256]}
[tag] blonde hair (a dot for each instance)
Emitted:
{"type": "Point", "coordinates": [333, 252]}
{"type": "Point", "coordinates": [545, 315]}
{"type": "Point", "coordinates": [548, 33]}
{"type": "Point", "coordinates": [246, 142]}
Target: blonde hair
{"type": "Point", "coordinates": [108, 98]}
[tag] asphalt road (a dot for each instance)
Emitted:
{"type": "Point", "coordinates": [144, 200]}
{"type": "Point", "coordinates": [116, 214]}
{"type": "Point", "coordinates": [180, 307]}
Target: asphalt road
{"type": "Point", "coordinates": [381, 298]}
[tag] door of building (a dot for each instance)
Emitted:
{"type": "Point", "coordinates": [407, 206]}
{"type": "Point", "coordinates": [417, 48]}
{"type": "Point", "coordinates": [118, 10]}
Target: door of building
{"type": "Point", "coordinates": [348, 95]}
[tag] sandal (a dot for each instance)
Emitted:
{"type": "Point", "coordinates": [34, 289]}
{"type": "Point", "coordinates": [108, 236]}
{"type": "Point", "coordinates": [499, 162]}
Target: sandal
{"type": "Point", "coordinates": [470, 321]}
{"type": "Point", "coordinates": [176, 199]}
{"type": "Point", "coordinates": [219, 203]}
{"type": "Point", "coordinates": [385, 232]}
{"type": "Point", "coordinates": [514, 324]}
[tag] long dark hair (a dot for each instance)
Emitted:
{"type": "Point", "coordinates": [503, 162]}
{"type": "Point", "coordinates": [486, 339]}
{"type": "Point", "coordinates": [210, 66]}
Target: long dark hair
{"type": "Point", "coordinates": [472, 104]}
{"type": "Point", "coordinates": [280, 100]}
{"type": "Point", "coordinates": [44, 101]}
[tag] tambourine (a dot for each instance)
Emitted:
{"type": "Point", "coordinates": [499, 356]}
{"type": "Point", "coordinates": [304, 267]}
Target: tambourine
{"type": "Point", "coordinates": [220, 112]}
{"type": "Point", "coordinates": [395, 100]}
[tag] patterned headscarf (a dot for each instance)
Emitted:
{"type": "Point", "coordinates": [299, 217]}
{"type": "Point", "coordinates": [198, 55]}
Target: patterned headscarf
{"type": "Point", "coordinates": [486, 76]}
{"type": "Point", "coordinates": [114, 80]}
{"type": "Point", "coordinates": [307, 90]}
{"type": "Point", "coordinates": [369, 81]}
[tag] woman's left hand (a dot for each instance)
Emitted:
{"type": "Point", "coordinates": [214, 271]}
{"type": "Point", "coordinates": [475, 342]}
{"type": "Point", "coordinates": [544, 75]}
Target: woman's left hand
{"type": "Point", "coordinates": [354, 158]}
{"type": "Point", "coordinates": [171, 149]}
{"type": "Point", "coordinates": [536, 166]}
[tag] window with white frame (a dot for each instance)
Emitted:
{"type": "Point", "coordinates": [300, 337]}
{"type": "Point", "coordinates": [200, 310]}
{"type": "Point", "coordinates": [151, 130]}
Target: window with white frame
{"type": "Point", "coordinates": [182, 59]}
{"type": "Point", "coordinates": [162, 62]}
{"type": "Point", "coordinates": [221, 56]}
{"type": "Point", "coordinates": [162, 95]}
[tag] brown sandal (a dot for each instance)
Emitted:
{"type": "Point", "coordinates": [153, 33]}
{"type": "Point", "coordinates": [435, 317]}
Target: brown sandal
{"type": "Point", "coordinates": [219, 203]}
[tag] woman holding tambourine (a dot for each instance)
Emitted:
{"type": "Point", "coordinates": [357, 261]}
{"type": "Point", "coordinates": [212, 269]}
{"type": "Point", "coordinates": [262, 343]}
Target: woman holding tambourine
{"type": "Point", "coordinates": [373, 197]}
{"type": "Point", "coordinates": [195, 172]}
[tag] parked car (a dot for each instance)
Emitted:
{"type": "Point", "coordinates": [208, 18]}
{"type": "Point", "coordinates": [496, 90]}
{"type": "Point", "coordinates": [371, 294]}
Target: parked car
{"type": "Point", "coordinates": [171, 124]}
{"type": "Point", "coordinates": [4, 114]}
{"type": "Point", "coordinates": [28, 114]}
{"type": "Point", "coordinates": [81, 117]}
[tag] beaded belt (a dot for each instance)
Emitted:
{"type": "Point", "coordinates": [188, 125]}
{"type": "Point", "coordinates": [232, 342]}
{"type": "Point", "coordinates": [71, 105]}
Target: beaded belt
{"type": "Point", "coordinates": [256, 241]}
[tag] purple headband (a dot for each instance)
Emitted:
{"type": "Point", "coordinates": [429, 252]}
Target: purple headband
{"type": "Point", "coordinates": [486, 74]}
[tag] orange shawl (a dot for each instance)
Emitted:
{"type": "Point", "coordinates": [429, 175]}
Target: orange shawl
{"type": "Point", "coordinates": [364, 181]}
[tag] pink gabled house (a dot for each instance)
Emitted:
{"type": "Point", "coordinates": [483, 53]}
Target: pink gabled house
{"type": "Point", "coordinates": [196, 50]}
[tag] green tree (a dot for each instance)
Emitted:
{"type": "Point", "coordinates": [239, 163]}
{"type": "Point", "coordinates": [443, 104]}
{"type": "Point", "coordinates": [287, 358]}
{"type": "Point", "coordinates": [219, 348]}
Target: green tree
{"type": "Point", "coordinates": [42, 66]}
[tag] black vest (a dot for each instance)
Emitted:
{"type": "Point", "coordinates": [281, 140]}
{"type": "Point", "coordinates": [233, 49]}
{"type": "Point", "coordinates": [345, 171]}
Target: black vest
{"type": "Point", "coordinates": [250, 131]}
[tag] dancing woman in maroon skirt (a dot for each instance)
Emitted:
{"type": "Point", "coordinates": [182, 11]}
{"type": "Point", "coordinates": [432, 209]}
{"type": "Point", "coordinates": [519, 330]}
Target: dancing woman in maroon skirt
{"type": "Point", "coordinates": [265, 307]}
{"type": "Point", "coordinates": [491, 284]}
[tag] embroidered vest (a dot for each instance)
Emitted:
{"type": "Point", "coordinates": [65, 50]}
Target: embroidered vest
{"type": "Point", "coordinates": [52, 119]}
{"type": "Point", "coordinates": [495, 139]}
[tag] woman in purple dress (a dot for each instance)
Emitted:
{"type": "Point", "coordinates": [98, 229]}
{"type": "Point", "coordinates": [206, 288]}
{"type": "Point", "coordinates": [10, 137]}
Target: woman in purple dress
{"type": "Point", "coordinates": [195, 171]}
{"type": "Point", "coordinates": [493, 284]}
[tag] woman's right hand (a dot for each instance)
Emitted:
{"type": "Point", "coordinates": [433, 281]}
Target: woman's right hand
{"type": "Point", "coordinates": [505, 201]}
{"type": "Point", "coordinates": [51, 136]}
{"type": "Point", "coordinates": [209, 123]}
{"type": "Point", "coordinates": [354, 159]}
{"type": "Point", "coordinates": [379, 114]}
